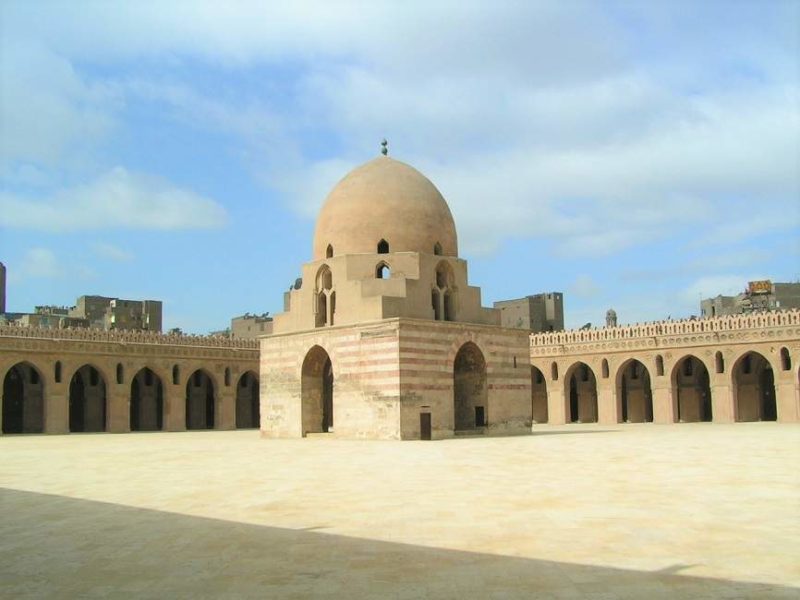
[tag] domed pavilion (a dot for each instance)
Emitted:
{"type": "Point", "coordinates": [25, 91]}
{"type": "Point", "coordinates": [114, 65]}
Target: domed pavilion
{"type": "Point", "coordinates": [383, 337]}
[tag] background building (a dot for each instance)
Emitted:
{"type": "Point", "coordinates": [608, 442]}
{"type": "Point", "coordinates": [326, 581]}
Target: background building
{"type": "Point", "coordinates": [95, 312]}
{"type": "Point", "coordinates": [116, 313]}
{"type": "Point", "coordinates": [249, 327]}
{"type": "Point", "coordinates": [536, 313]}
{"type": "Point", "coordinates": [759, 296]}
{"type": "Point", "coordinates": [51, 317]}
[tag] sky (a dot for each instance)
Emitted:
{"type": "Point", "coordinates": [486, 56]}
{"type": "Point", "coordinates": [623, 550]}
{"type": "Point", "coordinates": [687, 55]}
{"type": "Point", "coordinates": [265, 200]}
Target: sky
{"type": "Point", "coordinates": [634, 155]}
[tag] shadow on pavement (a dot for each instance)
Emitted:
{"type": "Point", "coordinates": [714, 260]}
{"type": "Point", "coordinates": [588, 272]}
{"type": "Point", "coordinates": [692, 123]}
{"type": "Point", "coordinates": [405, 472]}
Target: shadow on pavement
{"type": "Point", "coordinates": [54, 546]}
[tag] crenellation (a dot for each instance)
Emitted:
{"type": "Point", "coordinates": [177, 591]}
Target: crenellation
{"type": "Point", "coordinates": [126, 337]}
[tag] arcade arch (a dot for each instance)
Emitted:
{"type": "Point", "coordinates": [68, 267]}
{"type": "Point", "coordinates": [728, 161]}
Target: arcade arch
{"type": "Point", "coordinates": [147, 401]}
{"type": "Point", "coordinates": [691, 390]}
{"type": "Point", "coordinates": [316, 391]}
{"type": "Point", "coordinates": [23, 400]}
{"type": "Point", "coordinates": [580, 394]}
{"type": "Point", "coordinates": [538, 396]}
{"type": "Point", "coordinates": [247, 402]}
{"type": "Point", "coordinates": [87, 400]}
{"type": "Point", "coordinates": [200, 401]}
{"type": "Point", "coordinates": [634, 393]}
{"type": "Point", "coordinates": [754, 388]}
{"type": "Point", "coordinates": [470, 392]}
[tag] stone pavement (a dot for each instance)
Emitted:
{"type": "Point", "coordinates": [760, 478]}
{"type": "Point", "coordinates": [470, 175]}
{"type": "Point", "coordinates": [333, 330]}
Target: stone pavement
{"type": "Point", "coordinates": [579, 511]}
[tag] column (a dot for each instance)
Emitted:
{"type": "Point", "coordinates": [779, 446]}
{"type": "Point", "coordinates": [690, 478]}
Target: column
{"type": "Point", "coordinates": [174, 407]}
{"type": "Point", "coordinates": [118, 403]}
{"type": "Point", "coordinates": [226, 409]}
{"type": "Point", "coordinates": [663, 403]}
{"type": "Point", "coordinates": [722, 408]}
{"type": "Point", "coordinates": [787, 398]}
{"type": "Point", "coordinates": [556, 411]}
{"type": "Point", "coordinates": [607, 409]}
{"type": "Point", "coordinates": [56, 408]}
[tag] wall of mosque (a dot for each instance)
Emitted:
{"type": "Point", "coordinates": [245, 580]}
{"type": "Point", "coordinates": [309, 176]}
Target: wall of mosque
{"type": "Point", "coordinates": [724, 369]}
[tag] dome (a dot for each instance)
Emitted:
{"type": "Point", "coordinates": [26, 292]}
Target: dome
{"type": "Point", "coordinates": [385, 199]}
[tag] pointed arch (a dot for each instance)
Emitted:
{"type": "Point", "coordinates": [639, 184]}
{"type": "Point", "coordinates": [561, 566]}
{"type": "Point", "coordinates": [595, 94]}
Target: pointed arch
{"type": "Point", "coordinates": [146, 401]}
{"type": "Point", "coordinates": [23, 399]}
{"type": "Point", "coordinates": [437, 249]}
{"type": "Point", "coordinates": [539, 411]}
{"type": "Point", "coordinates": [324, 279]}
{"type": "Point", "coordinates": [324, 287]}
{"type": "Point", "coordinates": [317, 392]}
{"type": "Point", "coordinates": [383, 270]}
{"type": "Point", "coordinates": [383, 247]}
{"type": "Point", "coordinates": [87, 400]}
{"type": "Point", "coordinates": [754, 388]}
{"type": "Point", "coordinates": [329, 251]}
{"type": "Point", "coordinates": [634, 392]}
{"type": "Point", "coordinates": [691, 390]}
{"type": "Point", "coordinates": [786, 360]}
{"type": "Point", "coordinates": [248, 414]}
{"type": "Point", "coordinates": [200, 401]}
{"type": "Point", "coordinates": [470, 389]}
{"type": "Point", "coordinates": [580, 394]}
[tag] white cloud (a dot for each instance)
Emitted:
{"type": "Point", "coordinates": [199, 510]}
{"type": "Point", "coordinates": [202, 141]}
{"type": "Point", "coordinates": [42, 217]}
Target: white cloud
{"type": "Point", "coordinates": [540, 119]}
{"type": "Point", "coordinates": [48, 112]}
{"type": "Point", "coordinates": [117, 199]}
{"type": "Point", "coordinates": [112, 252]}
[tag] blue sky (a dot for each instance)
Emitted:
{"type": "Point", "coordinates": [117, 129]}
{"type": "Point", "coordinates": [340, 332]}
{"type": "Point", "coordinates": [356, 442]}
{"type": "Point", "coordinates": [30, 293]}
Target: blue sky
{"type": "Point", "coordinates": [635, 155]}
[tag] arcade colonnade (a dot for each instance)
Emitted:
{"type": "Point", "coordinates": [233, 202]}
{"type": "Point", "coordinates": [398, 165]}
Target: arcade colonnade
{"type": "Point", "coordinates": [60, 381]}
{"type": "Point", "coordinates": [724, 370]}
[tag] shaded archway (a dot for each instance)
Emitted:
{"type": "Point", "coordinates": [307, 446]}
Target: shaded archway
{"type": "Point", "coordinates": [147, 402]}
{"type": "Point", "coordinates": [247, 402]}
{"type": "Point", "coordinates": [316, 390]}
{"type": "Point", "coordinates": [23, 400]}
{"type": "Point", "coordinates": [470, 392]}
{"type": "Point", "coordinates": [538, 396]}
{"type": "Point", "coordinates": [634, 393]}
{"type": "Point", "coordinates": [691, 391]}
{"type": "Point", "coordinates": [87, 400]}
{"type": "Point", "coordinates": [754, 389]}
{"type": "Point", "coordinates": [581, 394]}
{"type": "Point", "coordinates": [200, 402]}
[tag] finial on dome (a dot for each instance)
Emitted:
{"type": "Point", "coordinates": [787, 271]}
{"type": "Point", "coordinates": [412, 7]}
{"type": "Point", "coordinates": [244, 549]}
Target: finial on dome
{"type": "Point", "coordinates": [384, 147]}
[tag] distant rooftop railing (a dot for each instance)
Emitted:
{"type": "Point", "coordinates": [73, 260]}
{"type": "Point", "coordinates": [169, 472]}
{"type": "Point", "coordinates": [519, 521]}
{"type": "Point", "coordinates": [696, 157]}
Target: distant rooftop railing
{"type": "Point", "coordinates": [656, 328]}
{"type": "Point", "coordinates": [127, 337]}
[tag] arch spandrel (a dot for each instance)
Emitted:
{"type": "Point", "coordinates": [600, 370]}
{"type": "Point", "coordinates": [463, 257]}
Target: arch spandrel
{"type": "Point", "coordinates": [6, 366]}
{"type": "Point", "coordinates": [462, 339]}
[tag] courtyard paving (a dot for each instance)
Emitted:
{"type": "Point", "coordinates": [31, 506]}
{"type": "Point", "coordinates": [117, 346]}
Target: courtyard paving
{"type": "Point", "coordinates": [580, 511]}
